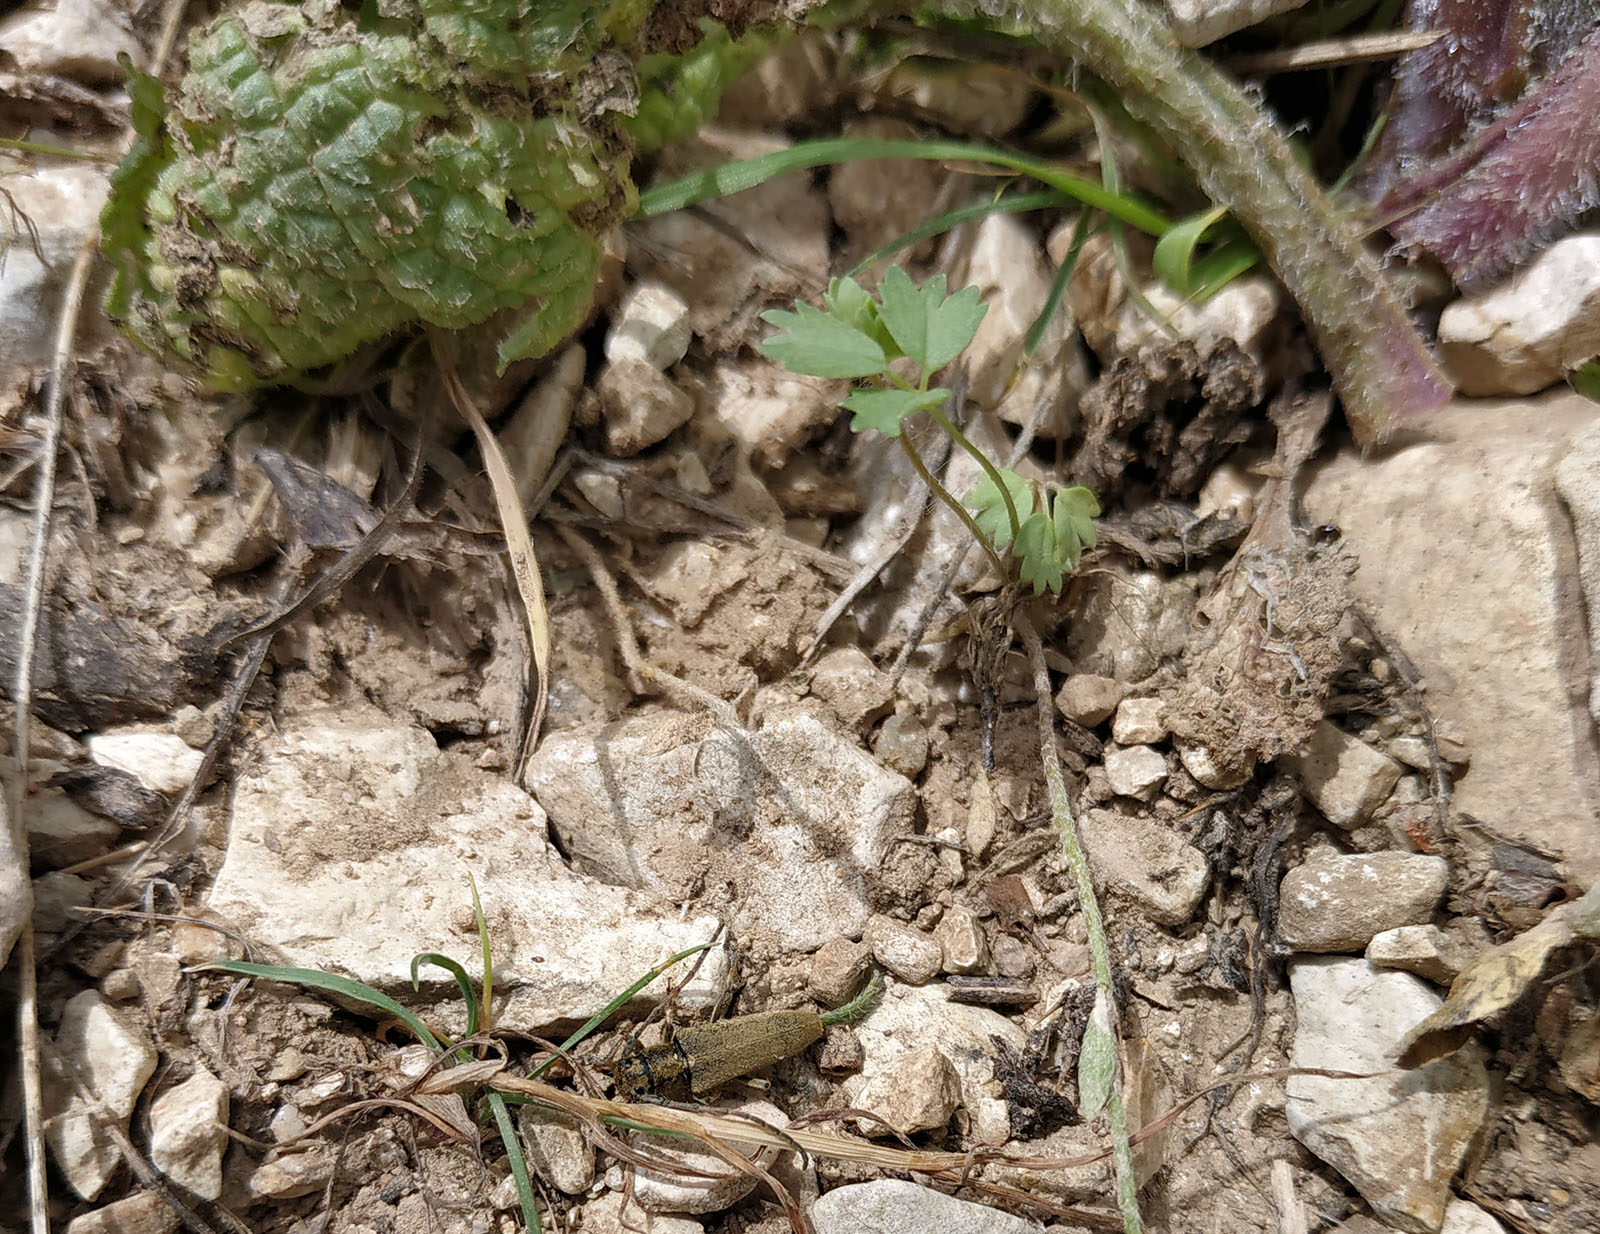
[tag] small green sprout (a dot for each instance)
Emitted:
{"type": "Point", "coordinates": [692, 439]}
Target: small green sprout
{"type": "Point", "coordinates": [860, 336]}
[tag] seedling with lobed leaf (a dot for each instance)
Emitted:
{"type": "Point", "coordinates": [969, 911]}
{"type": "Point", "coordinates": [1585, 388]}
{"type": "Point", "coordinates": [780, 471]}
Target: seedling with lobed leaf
{"type": "Point", "coordinates": [859, 336]}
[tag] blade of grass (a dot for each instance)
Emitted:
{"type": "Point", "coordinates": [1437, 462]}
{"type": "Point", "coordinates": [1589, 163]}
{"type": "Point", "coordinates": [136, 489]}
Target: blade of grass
{"type": "Point", "coordinates": [519, 1164]}
{"type": "Point", "coordinates": [1011, 203]}
{"type": "Point", "coordinates": [747, 173]}
{"type": "Point", "coordinates": [620, 1001]}
{"type": "Point", "coordinates": [343, 987]}
{"type": "Point", "coordinates": [1081, 231]}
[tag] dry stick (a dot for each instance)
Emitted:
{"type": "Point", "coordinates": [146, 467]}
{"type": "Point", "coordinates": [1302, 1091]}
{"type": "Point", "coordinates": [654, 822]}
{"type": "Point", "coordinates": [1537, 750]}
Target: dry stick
{"type": "Point", "coordinates": [22, 693]}
{"type": "Point", "coordinates": [1099, 952]}
{"type": "Point", "coordinates": [22, 690]}
{"type": "Point", "coordinates": [1380, 367]}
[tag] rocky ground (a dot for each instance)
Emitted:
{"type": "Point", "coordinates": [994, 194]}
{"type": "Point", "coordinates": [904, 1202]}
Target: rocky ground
{"type": "Point", "coordinates": [1328, 720]}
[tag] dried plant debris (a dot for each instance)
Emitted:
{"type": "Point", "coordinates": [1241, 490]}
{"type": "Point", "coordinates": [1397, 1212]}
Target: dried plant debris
{"type": "Point", "coordinates": [1169, 411]}
{"type": "Point", "coordinates": [1499, 978]}
{"type": "Point", "coordinates": [1259, 668]}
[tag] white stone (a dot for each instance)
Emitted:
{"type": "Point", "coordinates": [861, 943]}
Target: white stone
{"type": "Point", "coordinates": [651, 325]}
{"type": "Point", "coordinates": [143, 1212]}
{"type": "Point", "coordinates": [891, 1206]}
{"type": "Point", "coordinates": [1526, 334]}
{"type": "Point", "coordinates": [857, 690]}
{"type": "Point", "coordinates": [1243, 311]}
{"type": "Point", "coordinates": [961, 941]}
{"type": "Point", "coordinates": [1465, 1217]}
{"type": "Point", "coordinates": [665, 802]}
{"type": "Point", "coordinates": [608, 1214]}
{"type": "Point", "coordinates": [113, 1058]}
{"type": "Point", "coordinates": [188, 1133]}
{"type": "Point", "coordinates": [557, 1149]}
{"type": "Point", "coordinates": [1202, 763]}
{"type": "Point", "coordinates": [770, 411]}
{"type": "Point", "coordinates": [1338, 901]}
{"type": "Point", "coordinates": [1425, 950]}
{"type": "Point", "coordinates": [1126, 627]}
{"type": "Point", "coordinates": [1149, 863]}
{"type": "Point", "coordinates": [63, 833]}
{"type": "Point", "coordinates": [1198, 22]}
{"type": "Point", "coordinates": [1087, 699]}
{"type": "Point", "coordinates": [80, 39]}
{"type": "Point", "coordinates": [1138, 722]}
{"type": "Point", "coordinates": [352, 841]}
{"type": "Point", "coordinates": [162, 761]}
{"type": "Point", "coordinates": [1344, 777]}
{"type": "Point", "coordinates": [722, 1185]}
{"type": "Point", "coordinates": [1487, 613]}
{"type": "Point", "coordinates": [292, 1175]}
{"type": "Point", "coordinates": [1007, 264]}
{"type": "Point", "coordinates": [916, 1091]}
{"type": "Point", "coordinates": [1399, 1137]}
{"type": "Point", "coordinates": [1137, 772]}
{"type": "Point", "coordinates": [63, 204]}
{"type": "Point", "coordinates": [640, 404]}
{"type": "Point", "coordinates": [919, 1017]}
{"type": "Point", "coordinates": [904, 950]}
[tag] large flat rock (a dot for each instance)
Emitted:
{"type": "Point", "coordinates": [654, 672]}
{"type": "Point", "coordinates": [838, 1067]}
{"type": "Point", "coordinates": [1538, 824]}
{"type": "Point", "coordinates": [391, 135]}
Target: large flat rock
{"type": "Point", "coordinates": [1467, 558]}
{"type": "Point", "coordinates": [352, 841]}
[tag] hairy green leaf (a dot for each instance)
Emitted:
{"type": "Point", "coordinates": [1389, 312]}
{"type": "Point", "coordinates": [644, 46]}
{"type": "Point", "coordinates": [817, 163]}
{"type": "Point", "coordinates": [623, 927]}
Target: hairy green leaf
{"type": "Point", "coordinates": [929, 327]}
{"type": "Point", "coordinates": [989, 508]}
{"type": "Point", "coordinates": [884, 410]}
{"type": "Point", "coordinates": [1097, 1058]}
{"type": "Point", "coordinates": [811, 341]}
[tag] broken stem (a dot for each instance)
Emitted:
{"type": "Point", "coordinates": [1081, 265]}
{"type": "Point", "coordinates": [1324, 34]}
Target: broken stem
{"type": "Point", "coordinates": [1382, 370]}
{"type": "Point", "coordinates": [1094, 926]}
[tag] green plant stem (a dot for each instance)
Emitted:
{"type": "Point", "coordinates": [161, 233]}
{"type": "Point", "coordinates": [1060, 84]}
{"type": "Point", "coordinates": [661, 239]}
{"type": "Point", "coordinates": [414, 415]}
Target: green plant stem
{"type": "Point", "coordinates": [1094, 925]}
{"type": "Point", "coordinates": [1380, 367]}
{"type": "Point", "coordinates": [943, 495]}
{"type": "Point", "coordinates": [747, 173]}
{"type": "Point", "coordinates": [990, 470]}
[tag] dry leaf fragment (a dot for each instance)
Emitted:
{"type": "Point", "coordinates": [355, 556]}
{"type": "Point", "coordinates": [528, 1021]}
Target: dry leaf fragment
{"type": "Point", "coordinates": [1497, 978]}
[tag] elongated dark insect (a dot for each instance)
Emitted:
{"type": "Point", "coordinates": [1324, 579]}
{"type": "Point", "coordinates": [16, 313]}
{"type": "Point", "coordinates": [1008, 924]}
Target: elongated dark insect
{"type": "Point", "coordinates": [702, 1058]}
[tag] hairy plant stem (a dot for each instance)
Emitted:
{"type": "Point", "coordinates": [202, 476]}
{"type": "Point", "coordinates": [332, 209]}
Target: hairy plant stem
{"type": "Point", "coordinates": [1380, 367]}
{"type": "Point", "coordinates": [943, 494]}
{"type": "Point", "coordinates": [1094, 926]}
{"type": "Point", "coordinates": [989, 469]}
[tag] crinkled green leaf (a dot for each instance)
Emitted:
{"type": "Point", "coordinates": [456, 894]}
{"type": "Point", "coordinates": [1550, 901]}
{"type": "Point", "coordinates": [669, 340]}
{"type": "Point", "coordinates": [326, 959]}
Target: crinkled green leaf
{"type": "Point", "coordinates": [884, 410]}
{"type": "Point", "coordinates": [1073, 513]}
{"type": "Point", "coordinates": [1097, 1059]}
{"type": "Point", "coordinates": [929, 327]}
{"type": "Point", "coordinates": [1038, 561]}
{"type": "Point", "coordinates": [811, 341]}
{"type": "Point", "coordinates": [989, 508]}
{"type": "Point", "coordinates": [324, 175]}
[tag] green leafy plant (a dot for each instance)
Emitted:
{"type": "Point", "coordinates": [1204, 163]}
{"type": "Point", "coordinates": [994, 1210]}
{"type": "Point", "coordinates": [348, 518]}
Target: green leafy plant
{"type": "Point", "coordinates": [861, 336]}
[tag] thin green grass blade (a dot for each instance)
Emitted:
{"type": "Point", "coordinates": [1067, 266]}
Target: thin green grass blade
{"type": "Point", "coordinates": [1081, 231]}
{"type": "Point", "coordinates": [1111, 179]}
{"type": "Point", "coordinates": [617, 1003]}
{"type": "Point", "coordinates": [316, 979]}
{"type": "Point", "coordinates": [488, 957]}
{"type": "Point", "coordinates": [463, 983]}
{"type": "Point", "coordinates": [1011, 203]}
{"type": "Point", "coordinates": [519, 1166]}
{"type": "Point", "coordinates": [747, 173]}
